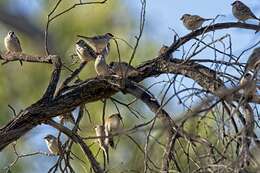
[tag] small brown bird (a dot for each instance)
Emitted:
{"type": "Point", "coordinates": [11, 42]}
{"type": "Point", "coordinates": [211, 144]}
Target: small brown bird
{"type": "Point", "coordinates": [163, 49]}
{"type": "Point", "coordinates": [67, 117]}
{"type": "Point", "coordinates": [242, 12]}
{"type": "Point", "coordinates": [12, 43]}
{"type": "Point", "coordinates": [101, 67]}
{"type": "Point", "coordinates": [121, 68]}
{"type": "Point", "coordinates": [99, 42]}
{"type": "Point", "coordinates": [103, 144]}
{"type": "Point", "coordinates": [115, 68]}
{"type": "Point", "coordinates": [253, 60]}
{"type": "Point", "coordinates": [53, 144]}
{"type": "Point", "coordinates": [84, 51]}
{"type": "Point", "coordinates": [113, 125]}
{"type": "Point", "coordinates": [249, 85]}
{"type": "Point", "coordinates": [193, 22]}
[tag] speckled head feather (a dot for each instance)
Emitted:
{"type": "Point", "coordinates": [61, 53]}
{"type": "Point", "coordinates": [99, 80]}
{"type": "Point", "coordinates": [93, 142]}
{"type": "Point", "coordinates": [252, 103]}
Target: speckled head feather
{"type": "Point", "coordinates": [184, 16]}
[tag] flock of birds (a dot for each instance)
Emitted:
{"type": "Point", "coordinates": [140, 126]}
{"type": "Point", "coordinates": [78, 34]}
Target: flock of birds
{"type": "Point", "coordinates": [94, 48]}
{"type": "Point", "coordinates": [113, 125]}
{"type": "Point", "coordinates": [97, 48]}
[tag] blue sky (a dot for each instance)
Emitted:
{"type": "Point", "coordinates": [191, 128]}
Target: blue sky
{"type": "Point", "coordinates": [166, 13]}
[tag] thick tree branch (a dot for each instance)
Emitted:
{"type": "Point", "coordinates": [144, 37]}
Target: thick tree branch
{"type": "Point", "coordinates": [203, 75]}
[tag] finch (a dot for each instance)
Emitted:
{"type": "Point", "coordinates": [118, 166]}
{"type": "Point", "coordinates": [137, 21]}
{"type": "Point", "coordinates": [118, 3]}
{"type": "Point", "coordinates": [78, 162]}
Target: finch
{"type": "Point", "coordinates": [53, 144]}
{"type": "Point", "coordinates": [12, 43]}
{"type": "Point", "coordinates": [99, 42]}
{"type": "Point", "coordinates": [242, 12]}
{"type": "Point", "coordinates": [112, 124]}
{"type": "Point", "coordinates": [193, 22]}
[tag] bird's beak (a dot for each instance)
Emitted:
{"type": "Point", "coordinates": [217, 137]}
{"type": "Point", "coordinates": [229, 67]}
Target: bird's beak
{"type": "Point", "coordinates": [233, 3]}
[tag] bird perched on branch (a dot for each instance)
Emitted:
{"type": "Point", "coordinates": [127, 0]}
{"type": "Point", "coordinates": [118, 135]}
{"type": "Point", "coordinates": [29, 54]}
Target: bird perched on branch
{"type": "Point", "coordinates": [99, 42]}
{"type": "Point", "coordinates": [242, 12]}
{"type": "Point", "coordinates": [12, 43]}
{"type": "Point", "coordinates": [101, 66]}
{"type": "Point", "coordinates": [163, 49]}
{"type": "Point", "coordinates": [253, 61]}
{"type": "Point", "coordinates": [84, 51]}
{"type": "Point", "coordinates": [112, 125]}
{"type": "Point", "coordinates": [193, 22]}
{"type": "Point", "coordinates": [53, 144]}
{"type": "Point", "coordinates": [103, 144]}
{"type": "Point", "coordinates": [67, 117]}
{"type": "Point", "coordinates": [123, 69]}
{"type": "Point", "coordinates": [248, 84]}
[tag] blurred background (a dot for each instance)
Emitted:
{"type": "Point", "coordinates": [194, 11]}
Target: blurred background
{"type": "Point", "coordinates": [20, 86]}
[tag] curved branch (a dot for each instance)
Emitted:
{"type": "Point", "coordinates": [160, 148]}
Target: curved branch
{"type": "Point", "coordinates": [175, 45]}
{"type": "Point", "coordinates": [203, 75]}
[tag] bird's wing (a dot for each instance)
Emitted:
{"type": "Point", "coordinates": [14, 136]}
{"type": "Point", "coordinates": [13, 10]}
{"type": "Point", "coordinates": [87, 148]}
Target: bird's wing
{"type": "Point", "coordinates": [19, 44]}
{"type": "Point", "coordinates": [198, 18]}
{"type": "Point", "coordinates": [90, 50]}
{"type": "Point", "coordinates": [120, 68]}
{"type": "Point", "coordinates": [246, 10]}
